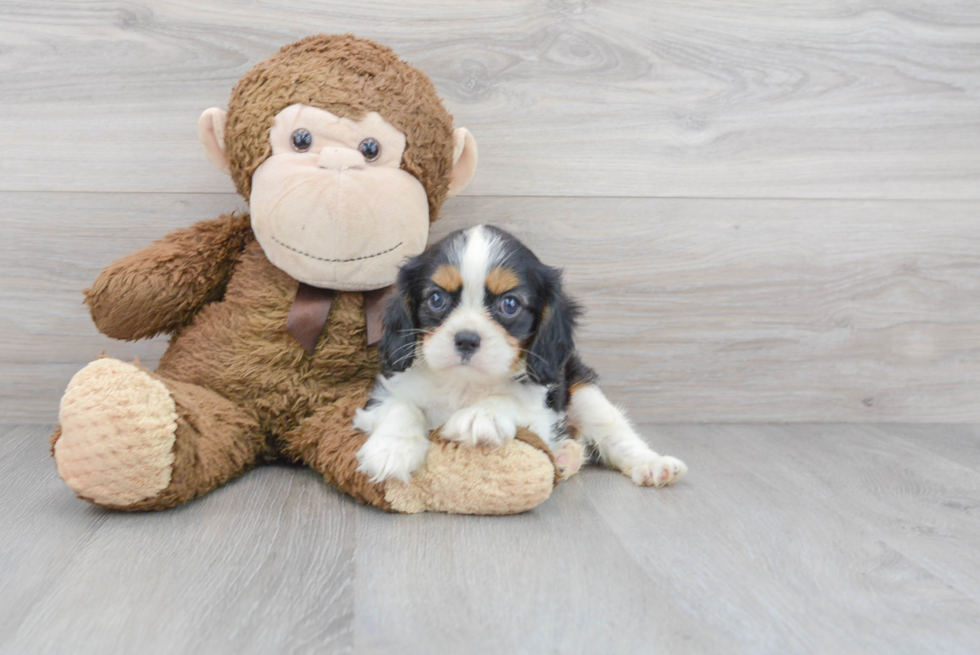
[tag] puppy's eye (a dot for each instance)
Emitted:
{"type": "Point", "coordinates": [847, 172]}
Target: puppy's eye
{"type": "Point", "coordinates": [437, 301]}
{"type": "Point", "coordinates": [370, 148]}
{"type": "Point", "coordinates": [302, 140]}
{"type": "Point", "coordinates": [510, 306]}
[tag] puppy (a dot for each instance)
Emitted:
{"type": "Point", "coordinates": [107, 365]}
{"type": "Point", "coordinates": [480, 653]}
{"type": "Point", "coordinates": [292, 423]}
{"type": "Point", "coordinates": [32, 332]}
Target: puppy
{"type": "Point", "coordinates": [478, 341]}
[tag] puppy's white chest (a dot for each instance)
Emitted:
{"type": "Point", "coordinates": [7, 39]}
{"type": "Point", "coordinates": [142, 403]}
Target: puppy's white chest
{"type": "Point", "coordinates": [445, 398]}
{"type": "Point", "coordinates": [439, 397]}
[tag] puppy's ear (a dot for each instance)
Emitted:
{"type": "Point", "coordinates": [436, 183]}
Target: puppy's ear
{"type": "Point", "coordinates": [397, 347]}
{"type": "Point", "coordinates": [552, 344]}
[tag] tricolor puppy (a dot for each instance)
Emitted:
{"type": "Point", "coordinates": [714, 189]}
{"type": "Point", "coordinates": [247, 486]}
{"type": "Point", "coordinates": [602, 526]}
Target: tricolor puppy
{"type": "Point", "coordinates": [478, 340]}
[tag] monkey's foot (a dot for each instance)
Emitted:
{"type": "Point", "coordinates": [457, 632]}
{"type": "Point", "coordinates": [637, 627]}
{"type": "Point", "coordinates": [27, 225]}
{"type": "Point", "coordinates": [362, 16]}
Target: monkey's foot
{"type": "Point", "coordinates": [458, 479]}
{"type": "Point", "coordinates": [118, 426]}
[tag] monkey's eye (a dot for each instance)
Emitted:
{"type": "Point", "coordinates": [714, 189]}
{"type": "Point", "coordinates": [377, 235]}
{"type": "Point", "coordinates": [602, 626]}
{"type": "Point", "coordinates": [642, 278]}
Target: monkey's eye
{"type": "Point", "coordinates": [302, 140]}
{"type": "Point", "coordinates": [510, 306]}
{"type": "Point", "coordinates": [437, 301]}
{"type": "Point", "coordinates": [370, 149]}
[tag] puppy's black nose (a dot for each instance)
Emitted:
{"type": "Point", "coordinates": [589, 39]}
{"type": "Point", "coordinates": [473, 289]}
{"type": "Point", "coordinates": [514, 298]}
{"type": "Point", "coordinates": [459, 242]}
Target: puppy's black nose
{"type": "Point", "coordinates": [467, 343]}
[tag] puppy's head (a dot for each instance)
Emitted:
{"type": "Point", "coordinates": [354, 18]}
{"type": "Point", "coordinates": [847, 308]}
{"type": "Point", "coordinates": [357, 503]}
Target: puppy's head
{"type": "Point", "coordinates": [479, 304]}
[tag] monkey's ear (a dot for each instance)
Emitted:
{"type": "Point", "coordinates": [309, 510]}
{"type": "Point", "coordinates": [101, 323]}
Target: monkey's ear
{"type": "Point", "coordinates": [211, 131]}
{"type": "Point", "coordinates": [464, 160]}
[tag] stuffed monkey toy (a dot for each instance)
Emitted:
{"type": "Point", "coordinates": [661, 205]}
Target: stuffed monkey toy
{"type": "Point", "coordinates": [345, 154]}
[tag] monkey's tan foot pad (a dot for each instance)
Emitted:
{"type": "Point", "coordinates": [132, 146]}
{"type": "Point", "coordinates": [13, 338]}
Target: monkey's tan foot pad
{"type": "Point", "coordinates": [118, 425]}
{"type": "Point", "coordinates": [460, 479]}
{"type": "Point", "coordinates": [568, 458]}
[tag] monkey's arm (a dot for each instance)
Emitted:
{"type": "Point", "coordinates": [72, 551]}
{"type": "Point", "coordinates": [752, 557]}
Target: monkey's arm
{"type": "Point", "coordinates": [162, 286]}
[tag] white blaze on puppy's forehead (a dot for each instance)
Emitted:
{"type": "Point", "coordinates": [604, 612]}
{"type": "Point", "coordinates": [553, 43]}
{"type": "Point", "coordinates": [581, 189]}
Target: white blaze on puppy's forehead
{"type": "Point", "coordinates": [472, 254]}
{"type": "Point", "coordinates": [480, 252]}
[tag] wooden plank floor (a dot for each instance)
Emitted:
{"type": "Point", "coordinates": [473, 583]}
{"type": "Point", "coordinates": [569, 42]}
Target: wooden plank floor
{"type": "Point", "coordinates": [783, 539]}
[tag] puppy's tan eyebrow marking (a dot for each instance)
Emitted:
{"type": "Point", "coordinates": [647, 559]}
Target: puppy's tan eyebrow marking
{"type": "Point", "coordinates": [501, 280]}
{"type": "Point", "coordinates": [448, 277]}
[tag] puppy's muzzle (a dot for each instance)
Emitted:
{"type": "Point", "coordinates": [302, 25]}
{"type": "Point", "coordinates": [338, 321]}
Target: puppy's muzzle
{"type": "Point", "coordinates": [467, 343]}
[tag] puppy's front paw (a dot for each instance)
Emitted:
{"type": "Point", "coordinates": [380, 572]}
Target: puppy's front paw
{"type": "Point", "coordinates": [385, 456]}
{"type": "Point", "coordinates": [657, 472]}
{"type": "Point", "coordinates": [477, 425]}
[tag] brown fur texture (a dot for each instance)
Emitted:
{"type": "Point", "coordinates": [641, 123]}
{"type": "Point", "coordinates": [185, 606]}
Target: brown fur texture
{"type": "Point", "coordinates": [184, 271]}
{"type": "Point", "coordinates": [448, 277]}
{"type": "Point", "coordinates": [244, 390]}
{"type": "Point", "coordinates": [501, 280]}
{"type": "Point", "coordinates": [327, 443]}
{"type": "Point", "coordinates": [215, 442]}
{"type": "Point", "coordinates": [349, 77]}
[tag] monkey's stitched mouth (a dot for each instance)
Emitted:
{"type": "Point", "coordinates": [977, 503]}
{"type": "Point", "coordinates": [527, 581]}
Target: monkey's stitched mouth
{"type": "Point", "coordinates": [336, 261]}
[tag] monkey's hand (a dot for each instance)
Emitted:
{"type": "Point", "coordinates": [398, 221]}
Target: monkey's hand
{"type": "Point", "coordinates": [162, 286]}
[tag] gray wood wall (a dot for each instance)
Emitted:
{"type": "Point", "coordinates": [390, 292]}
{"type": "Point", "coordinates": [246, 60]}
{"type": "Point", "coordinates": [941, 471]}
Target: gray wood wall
{"type": "Point", "coordinates": [770, 210]}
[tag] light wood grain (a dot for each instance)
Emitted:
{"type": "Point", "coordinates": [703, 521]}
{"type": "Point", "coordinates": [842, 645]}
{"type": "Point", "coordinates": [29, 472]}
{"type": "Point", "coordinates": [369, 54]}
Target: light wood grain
{"type": "Point", "coordinates": [958, 444]}
{"type": "Point", "coordinates": [820, 538]}
{"type": "Point", "coordinates": [554, 580]}
{"type": "Point", "coordinates": [263, 565]}
{"type": "Point", "coordinates": [916, 496]}
{"type": "Point", "coordinates": [697, 310]}
{"type": "Point", "coordinates": [848, 98]}
{"type": "Point", "coordinates": [801, 538]}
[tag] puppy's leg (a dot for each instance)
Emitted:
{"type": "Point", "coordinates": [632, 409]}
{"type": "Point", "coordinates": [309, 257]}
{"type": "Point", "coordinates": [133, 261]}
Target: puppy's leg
{"type": "Point", "coordinates": [600, 422]}
{"type": "Point", "coordinates": [491, 420]}
{"type": "Point", "coordinates": [398, 441]}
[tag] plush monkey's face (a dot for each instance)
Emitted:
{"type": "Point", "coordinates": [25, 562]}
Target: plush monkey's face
{"type": "Point", "coordinates": [331, 206]}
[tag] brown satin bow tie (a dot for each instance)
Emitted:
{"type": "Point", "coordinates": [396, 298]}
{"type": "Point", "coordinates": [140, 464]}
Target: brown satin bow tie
{"type": "Point", "coordinates": [311, 308]}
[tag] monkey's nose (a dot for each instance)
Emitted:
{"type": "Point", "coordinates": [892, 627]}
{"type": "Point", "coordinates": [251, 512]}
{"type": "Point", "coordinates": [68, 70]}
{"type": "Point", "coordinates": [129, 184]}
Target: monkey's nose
{"type": "Point", "coordinates": [340, 159]}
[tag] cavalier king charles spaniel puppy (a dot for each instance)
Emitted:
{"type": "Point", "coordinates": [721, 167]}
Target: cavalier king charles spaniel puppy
{"type": "Point", "coordinates": [478, 341]}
